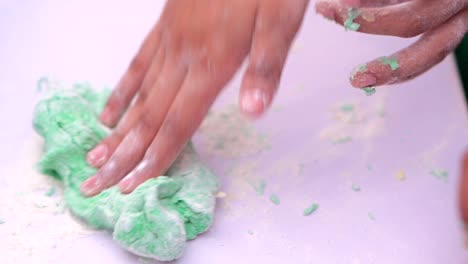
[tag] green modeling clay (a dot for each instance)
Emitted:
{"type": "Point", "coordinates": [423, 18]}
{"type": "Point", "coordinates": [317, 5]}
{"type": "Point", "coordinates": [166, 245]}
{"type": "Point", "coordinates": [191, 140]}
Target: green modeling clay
{"type": "Point", "coordinates": [274, 199]}
{"type": "Point", "coordinates": [391, 61]}
{"type": "Point", "coordinates": [309, 210]}
{"type": "Point", "coordinates": [369, 90]}
{"type": "Point", "coordinates": [353, 13]}
{"type": "Point", "coordinates": [153, 221]}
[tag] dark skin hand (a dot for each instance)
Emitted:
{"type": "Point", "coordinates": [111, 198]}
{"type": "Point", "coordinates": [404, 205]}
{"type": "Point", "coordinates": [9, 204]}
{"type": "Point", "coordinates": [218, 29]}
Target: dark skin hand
{"type": "Point", "coordinates": [190, 54]}
{"type": "Point", "coordinates": [441, 24]}
{"type": "Point", "coordinates": [196, 47]}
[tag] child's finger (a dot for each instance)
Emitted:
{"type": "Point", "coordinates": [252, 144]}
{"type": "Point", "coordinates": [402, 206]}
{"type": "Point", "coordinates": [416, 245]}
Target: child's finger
{"type": "Point", "coordinates": [274, 31]}
{"type": "Point", "coordinates": [102, 152]}
{"type": "Point", "coordinates": [412, 61]}
{"type": "Point", "coordinates": [131, 81]}
{"type": "Point", "coordinates": [394, 20]}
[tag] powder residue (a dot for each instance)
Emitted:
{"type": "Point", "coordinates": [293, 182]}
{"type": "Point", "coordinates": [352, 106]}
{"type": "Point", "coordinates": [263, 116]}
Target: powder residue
{"type": "Point", "coordinates": [400, 175]}
{"type": "Point", "coordinates": [221, 195]}
{"type": "Point", "coordinates": [228, 133]}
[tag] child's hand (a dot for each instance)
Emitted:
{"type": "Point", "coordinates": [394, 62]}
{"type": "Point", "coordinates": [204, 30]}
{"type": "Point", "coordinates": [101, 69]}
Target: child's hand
{"type": "Point", "coordinates": [190, 54]}
{"type": "Point", "coordinates": [442, 23]}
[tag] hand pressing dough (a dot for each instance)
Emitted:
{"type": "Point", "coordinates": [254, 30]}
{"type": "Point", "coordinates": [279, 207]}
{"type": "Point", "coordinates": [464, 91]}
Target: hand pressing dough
{"type": "Point", "coordinates": [153, 221]}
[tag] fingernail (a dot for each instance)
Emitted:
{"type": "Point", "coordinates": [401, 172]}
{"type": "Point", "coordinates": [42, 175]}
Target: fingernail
{"type": "Point", "coordinates": [97, 156]}
{"type": "Point", "coordinates": [126, 184]}
{"type": "Point", "coordinates": [106, 117]}
{"type": "Point", "coordinates": [254, 101]}
{"type": "Point", "coordinates": [364, 80]}
{"type": "Point", "coordinates": [89, 186]}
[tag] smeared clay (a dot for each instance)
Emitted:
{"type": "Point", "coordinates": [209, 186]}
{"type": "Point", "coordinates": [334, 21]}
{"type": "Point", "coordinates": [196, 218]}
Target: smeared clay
{"type": "Point", "coordinates": [390, 61]}
{"type": "Point", "coordinates": [353, 13]}
{"type": "Point", "coordinates": [153, 221]}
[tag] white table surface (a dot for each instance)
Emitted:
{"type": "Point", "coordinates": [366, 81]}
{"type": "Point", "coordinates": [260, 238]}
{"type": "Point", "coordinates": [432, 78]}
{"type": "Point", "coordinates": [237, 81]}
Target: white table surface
{"type": "Point", "coordinates": [414, 127]}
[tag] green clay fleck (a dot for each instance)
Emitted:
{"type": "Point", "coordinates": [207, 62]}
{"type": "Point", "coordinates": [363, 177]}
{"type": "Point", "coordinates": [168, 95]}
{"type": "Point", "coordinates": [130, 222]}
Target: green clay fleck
{"type": "Point", "coordinates": [371, 216]}
{"type": "Point", "coordinates": [391, 61]}
{"type": "Point", "coordinates": [2, 222]}
{"type": "Point", "coordinates": [343, 140]}
{"type": "Point", "coordinates": [347, 108]}
{"type": "Point", "coordinates": [440, 174]}
{"type": "Point", "coordinates": [40, 206]}
{"type": "Point", "coordinates": [153, 221]}
{"type": "Point", "coordinates": [260, 187]}
{"type": "Point", "coordinates": [274, 199]}
{"type": "Point", "coordinates": [309, 210]}
{"type": "Point", "coordinates": [50, 192]}
{"type": "Point", "coordinates": [369, 90]}
{"type": "Point", "coordinates": [353, 13]}
{"type": "Point", "coordinates": [356, 188]}
{"type": "Point", "coordinates": [250, 232]}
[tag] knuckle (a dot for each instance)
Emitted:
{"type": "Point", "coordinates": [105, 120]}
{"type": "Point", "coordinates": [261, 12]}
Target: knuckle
{"type": "Point", "coordinates": [147, 123]}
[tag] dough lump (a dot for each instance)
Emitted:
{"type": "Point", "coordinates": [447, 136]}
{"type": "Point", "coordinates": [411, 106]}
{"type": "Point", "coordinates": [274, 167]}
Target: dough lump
{"type": "Point", "coordinates": [153, 221]}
